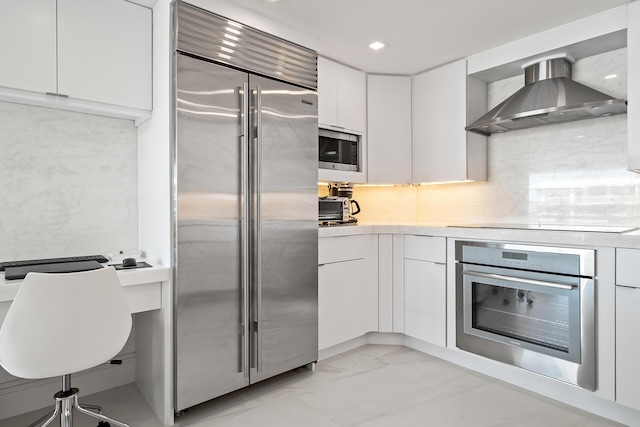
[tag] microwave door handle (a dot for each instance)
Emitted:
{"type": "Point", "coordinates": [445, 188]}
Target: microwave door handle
{"type": "Point", "coordinates": [520, 280]}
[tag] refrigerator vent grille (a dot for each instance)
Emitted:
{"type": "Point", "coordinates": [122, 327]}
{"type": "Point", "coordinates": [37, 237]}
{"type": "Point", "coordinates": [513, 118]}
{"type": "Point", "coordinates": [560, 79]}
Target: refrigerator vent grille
{"type": "Point", "coordinates": [222, 40]}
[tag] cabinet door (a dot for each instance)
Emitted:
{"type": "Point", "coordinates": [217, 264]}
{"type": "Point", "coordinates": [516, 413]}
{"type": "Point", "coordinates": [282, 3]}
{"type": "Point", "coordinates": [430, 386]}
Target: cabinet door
{"type": "Point", "coordinates": [425, 301]}
{"type": "Point", "coordinates": [627, 347]}
{"type": "Point", "coordinates": [104, 52]}
{"type": "Point", "coordinates": [342, 94]}
{"type": "Point", "coordinates": [442, 149]}
{"type": "Point", "coordinates": [633, 87]}
{"type": "Point", "coordinates": [327, 92]}
{"type": "Point", "coordinates": [28, 48]}
{"type": "Point", "coordinates": [342, 303]}
{"type": "Point", "coordinates": [389, 130]}
{"type": "Point", "coordinates": [352, 99]}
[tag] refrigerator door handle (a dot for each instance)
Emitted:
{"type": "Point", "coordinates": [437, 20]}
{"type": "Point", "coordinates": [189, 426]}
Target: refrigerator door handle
{"type": "Point", "coordinates": [244, 227]}
{"type": "Point", "coordinates": [258, 213]}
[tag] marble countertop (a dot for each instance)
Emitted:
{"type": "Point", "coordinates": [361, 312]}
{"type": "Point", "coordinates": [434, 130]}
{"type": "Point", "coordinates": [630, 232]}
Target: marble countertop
{"type": "Point", "coordinates": [561, 237]}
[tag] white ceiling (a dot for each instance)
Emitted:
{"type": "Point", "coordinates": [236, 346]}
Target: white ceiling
{"type": "Point", "coordinates": [419, 34]}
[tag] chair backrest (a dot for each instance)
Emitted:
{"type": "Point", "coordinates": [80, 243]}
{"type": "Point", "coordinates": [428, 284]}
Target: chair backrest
{"type": "Point", "coordinates": [59, 324]}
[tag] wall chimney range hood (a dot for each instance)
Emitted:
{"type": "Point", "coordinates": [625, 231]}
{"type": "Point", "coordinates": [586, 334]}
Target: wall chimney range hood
{"type": "Point", "coordinates": [549, 96]}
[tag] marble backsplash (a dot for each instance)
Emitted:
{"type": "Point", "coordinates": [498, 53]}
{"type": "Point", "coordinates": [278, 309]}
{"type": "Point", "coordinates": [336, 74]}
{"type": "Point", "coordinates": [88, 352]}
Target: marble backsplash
{"type": "Point", "coordinates": [572, 173]}
{"type": "Point", "coordinates": [68, 183]}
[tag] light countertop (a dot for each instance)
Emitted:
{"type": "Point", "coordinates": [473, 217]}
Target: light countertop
{"type": "Point", "coordinates": [560, 237]}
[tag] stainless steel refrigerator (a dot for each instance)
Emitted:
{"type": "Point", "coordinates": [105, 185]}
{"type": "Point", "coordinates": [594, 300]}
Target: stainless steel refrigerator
{"type": "Point", "coordinates": [245, 228]}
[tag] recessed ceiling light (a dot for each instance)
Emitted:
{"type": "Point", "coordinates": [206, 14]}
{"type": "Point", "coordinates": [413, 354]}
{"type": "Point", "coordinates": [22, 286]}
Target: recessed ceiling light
{"type": "Point", "coordinates": [376, 45]}
{"type": "Point", "coordinates": [611, 76]}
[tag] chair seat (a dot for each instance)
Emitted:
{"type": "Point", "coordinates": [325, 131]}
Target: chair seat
{"type": "Point", "coordinates": [60, 324]}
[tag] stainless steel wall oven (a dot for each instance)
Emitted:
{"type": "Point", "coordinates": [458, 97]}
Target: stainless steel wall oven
{"type": "Point", "coordinates": [529, 306]}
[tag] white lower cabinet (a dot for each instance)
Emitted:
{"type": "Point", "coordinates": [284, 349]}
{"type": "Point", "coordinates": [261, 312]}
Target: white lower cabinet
{"type": "Point", "coordinates": [627, 321]}
{"type": "Point", "coordinates": [347, 288]}
{"type": "Point", "coordinates": [341, 306]}
{"type": "Point", "coordinates": [425, 289]}
{"type": "Point", "coordinates": [425, 301]}
{"type": "Point", "coordinates": [628, 347]}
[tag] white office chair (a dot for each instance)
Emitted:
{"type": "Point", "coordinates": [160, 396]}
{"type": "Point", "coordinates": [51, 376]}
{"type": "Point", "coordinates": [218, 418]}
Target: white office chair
{"type": "Point", "coordinates": [59, 324]}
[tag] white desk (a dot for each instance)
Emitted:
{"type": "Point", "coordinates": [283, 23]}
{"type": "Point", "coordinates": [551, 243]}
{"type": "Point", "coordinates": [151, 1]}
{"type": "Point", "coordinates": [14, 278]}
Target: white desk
{"type": "Point", "coordinates": [149, 295]}
{"type": "Point", "coordinates": [142, 288]}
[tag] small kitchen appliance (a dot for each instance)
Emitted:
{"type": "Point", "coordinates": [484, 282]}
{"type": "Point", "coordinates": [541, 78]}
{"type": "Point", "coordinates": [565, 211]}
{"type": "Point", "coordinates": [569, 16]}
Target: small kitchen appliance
{"type": "Point", "coordinates": [339, 151]}
{"type": "Point", "coordinates": [336, 210]}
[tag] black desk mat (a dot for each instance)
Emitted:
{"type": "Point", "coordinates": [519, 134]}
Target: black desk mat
{"type": "Point", "coordinates": [140, 264]}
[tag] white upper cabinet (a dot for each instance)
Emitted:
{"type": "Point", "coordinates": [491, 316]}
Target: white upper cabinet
{"type": "Point", "coordinates": [342, 94]}
{"type": "Point", "coordinates": [104, 52]}
{"type": "Point", "coordinates": [389, 129]}
{"type": "Point", "coordinates": [633, 86]}
{"type": "Point", "coordinates": [28, 48]}
{"type": "Point", "coordinates": [442, 149]}
{"type": "Point", "coordinates": [95, 54]}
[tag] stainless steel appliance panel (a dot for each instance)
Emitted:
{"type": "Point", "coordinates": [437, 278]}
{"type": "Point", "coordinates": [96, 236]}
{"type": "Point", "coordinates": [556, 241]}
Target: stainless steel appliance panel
{"type": "Point", "coordinates": [209, 297]}
{"type": "Point", "coordinates": [528, 306]}
{"type": "Point", "coordinates": [285, 235]}
{"type": "Point", "coordinates": [339, 150]}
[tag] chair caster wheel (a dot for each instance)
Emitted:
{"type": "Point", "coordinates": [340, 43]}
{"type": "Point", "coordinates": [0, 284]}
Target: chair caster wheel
{"type": "Point", "coordinates": [104, 424]}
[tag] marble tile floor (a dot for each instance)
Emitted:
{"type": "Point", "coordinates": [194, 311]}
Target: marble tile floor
{"type": "Point", "coordinates": [373, 386]}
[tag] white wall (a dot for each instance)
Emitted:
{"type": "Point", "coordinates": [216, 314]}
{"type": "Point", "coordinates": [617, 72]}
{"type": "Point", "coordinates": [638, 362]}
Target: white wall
{"type": "Point", "coordinates": [572, 173]}
{"type": "Point", "coordinates": [67, 183]}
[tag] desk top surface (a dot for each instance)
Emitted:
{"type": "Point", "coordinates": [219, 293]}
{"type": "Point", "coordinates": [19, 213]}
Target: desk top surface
{"type": "Point", "coordinates": [130, 277]}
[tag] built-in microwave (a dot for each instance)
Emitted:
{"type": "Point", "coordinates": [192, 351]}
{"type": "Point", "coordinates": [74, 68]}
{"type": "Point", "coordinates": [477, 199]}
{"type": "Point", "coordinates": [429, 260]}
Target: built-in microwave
{"type": "Point", "coordinates": [339, 150]}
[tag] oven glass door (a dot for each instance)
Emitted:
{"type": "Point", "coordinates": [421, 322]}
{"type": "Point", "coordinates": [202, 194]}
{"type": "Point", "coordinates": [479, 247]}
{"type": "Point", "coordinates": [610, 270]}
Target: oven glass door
{"type": "Point", "coordinates": [537, 315]}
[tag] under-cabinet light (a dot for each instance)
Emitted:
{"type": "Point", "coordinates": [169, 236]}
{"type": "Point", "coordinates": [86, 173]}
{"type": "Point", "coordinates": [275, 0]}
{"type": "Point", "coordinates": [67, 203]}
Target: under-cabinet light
{"type": "Point", "coordinates": [461, 181]}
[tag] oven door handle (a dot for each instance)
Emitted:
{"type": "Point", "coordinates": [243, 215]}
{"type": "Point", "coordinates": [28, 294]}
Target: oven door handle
{"type": "Point", "coordinates": [520, 280]}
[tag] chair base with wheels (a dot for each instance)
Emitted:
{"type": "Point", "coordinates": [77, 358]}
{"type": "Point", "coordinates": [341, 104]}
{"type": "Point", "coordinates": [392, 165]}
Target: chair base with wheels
{"type": "Point", "coordinates": [66, 402]}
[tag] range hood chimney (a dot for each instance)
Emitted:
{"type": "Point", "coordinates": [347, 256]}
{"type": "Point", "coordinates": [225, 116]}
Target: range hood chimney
{"type": "Point", "coordinates": [549, 96]}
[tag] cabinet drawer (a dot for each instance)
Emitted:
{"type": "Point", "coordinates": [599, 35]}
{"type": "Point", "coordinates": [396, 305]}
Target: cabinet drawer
{"type": "Point", "coordinates": [342, 248]}
{"type": "Point", "coordinates": [425, 248]}
{"type": "Point", "coordinates": [628, 267]}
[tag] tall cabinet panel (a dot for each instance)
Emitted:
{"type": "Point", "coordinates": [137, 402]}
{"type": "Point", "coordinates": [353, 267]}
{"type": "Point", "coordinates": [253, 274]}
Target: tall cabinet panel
{"type": "Point", "coordinates": [442, 149]}
{"type": "Point", "coordinates": [28, 34]}
{"type": "Point", "coordinates": [104, 52]}
{"type": "Point", "coordinates": [389, 129]}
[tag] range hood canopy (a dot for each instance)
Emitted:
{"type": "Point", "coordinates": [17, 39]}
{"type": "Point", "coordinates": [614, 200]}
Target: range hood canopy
{"type": "Point", "coordinates": [549, 96]}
